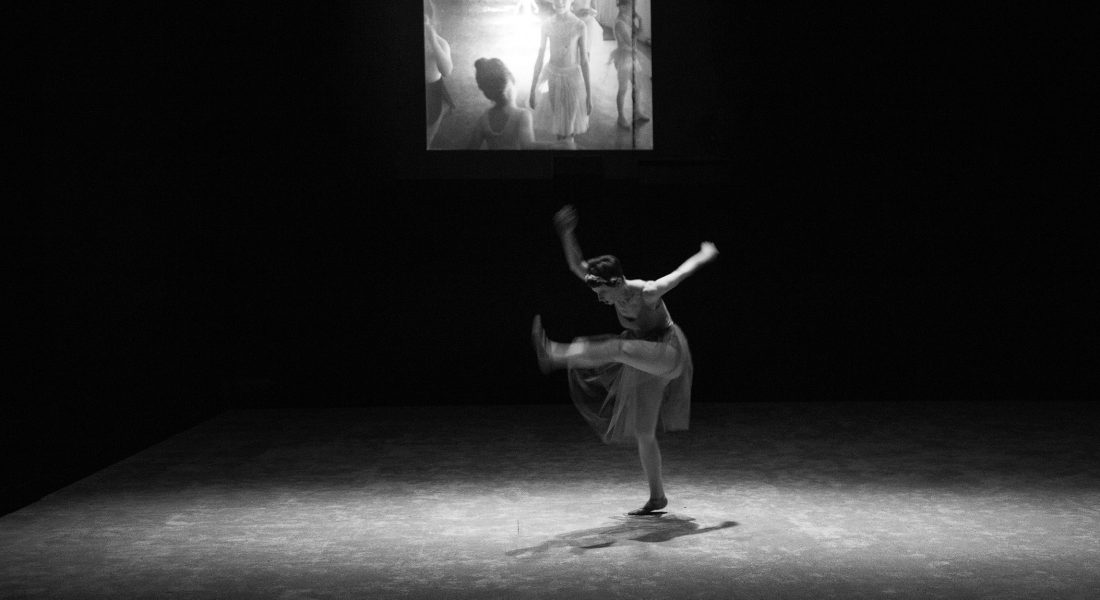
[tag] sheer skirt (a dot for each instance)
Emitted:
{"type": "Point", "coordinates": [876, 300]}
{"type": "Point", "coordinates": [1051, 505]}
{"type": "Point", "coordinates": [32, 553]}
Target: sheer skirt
{"type": "Point", "coordinates": [560, 101]}
{"type": "Point", "coordinates": [618, 401]}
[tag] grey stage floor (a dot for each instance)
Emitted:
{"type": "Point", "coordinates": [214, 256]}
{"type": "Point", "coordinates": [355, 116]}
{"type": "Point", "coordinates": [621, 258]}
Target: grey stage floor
{"type": "Point", "coordinates": [767, 501]}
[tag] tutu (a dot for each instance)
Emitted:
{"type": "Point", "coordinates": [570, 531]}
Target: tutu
{"type": "Point", "coordinates": [626, 58]}
{"type": "Point", "coordinates": [618, 400]}
{"type": "Point", "coordinates": [560, 101]}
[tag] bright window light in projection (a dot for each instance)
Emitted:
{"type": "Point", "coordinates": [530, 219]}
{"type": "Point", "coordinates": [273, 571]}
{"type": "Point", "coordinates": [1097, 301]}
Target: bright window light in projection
{"type": "Point", "coordinates": [481, 58]}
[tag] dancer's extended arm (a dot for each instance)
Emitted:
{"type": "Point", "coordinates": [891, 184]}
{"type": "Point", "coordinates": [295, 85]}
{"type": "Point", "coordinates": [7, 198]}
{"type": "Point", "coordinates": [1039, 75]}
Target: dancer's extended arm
{"type": "Point", "coordinates": [565, 221]}
{"type": "Point", "coordinates": [655, 289]}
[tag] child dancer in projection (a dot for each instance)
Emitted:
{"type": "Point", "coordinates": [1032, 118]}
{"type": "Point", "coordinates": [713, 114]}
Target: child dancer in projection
{"type": "Point", "coordinates": [586, 12]}
{"type": "Point", "coordinates": [627, 64]}
{"type": "Point", "coordinates": [560, 89]}
{"type": "Point", "coordinates": [437, 65]}
{"type": "Point", "coordinates": [626, 385]}
{"type": "Point", "coordinates": [505, 126]}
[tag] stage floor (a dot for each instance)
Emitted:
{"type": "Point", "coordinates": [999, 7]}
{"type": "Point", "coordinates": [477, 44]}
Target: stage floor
{"type": "Point", "coordinates": [766, 501]}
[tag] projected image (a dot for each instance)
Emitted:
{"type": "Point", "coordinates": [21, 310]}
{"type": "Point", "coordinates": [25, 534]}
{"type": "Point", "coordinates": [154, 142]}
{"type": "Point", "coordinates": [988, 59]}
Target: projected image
{"type": "Point", "coordinates": [538, 74]}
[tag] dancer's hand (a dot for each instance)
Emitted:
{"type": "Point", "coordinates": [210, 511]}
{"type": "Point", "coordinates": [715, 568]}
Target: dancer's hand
{"type": "Point", "coordinates": [707, 251]}
{"type": "Point", "coordinates": [565, 220]}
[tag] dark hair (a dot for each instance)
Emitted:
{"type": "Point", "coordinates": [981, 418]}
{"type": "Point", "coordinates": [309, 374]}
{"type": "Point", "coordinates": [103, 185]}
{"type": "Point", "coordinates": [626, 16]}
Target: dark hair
{"type": "Point", "coordinates": [492, 77]}
{"type": "Point", "coordinates": [604, 270]}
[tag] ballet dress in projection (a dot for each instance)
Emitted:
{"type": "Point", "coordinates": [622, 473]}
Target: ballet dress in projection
{"type": "Point", "coordinates": [628, 59]}
{"type": "Point", "coordinates": [560, 107]}
{"type": "Point", "coordinates": [618, 400]}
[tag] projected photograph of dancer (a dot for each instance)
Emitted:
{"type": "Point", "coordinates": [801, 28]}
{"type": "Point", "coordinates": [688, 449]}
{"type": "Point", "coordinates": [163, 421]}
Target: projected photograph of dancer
{"type": "Point", "coordinates": [538, 74]}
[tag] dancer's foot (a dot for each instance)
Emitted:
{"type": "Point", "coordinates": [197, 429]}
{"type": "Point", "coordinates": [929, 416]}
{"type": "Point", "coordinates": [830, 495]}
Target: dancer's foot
{"type": "Point", "coordinates": [641, 119]}
{"type": "Point", "coordinates": [623, 123]}
{"type": "Point", "coordinates": [538, 340]}
{"type": "Point", "coordinates": [654, 504]}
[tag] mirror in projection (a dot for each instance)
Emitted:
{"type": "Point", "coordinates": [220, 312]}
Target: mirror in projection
{"type": "Point", "coordinates": [538, 74]}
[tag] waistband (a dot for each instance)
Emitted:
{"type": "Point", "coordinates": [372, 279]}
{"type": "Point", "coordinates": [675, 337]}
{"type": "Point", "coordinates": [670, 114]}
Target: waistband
{"type": "Point", "coordinates": [562, 70]}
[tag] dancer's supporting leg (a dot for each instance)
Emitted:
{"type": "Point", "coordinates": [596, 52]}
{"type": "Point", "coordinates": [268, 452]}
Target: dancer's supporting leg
{"type": "Point", "coordinates": [620, 98]}
{"type": "Point", "coordinates": [650, 357]}
{"type": "Point", "coordinates": [649, 407]}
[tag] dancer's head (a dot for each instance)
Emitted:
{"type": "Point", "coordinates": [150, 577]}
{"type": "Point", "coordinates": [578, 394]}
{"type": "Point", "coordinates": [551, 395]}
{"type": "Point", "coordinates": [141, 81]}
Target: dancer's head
{"type": "Point", "coordinates": [561, 6]}
{"type": "Point", "coordinates": [495, 80]}
{"type": "Point", "coordinates": [605, 277]}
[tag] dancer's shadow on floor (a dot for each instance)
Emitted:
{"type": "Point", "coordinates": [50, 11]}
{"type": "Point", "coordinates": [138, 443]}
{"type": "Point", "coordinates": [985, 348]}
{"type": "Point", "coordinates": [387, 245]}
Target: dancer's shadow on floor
{"type": "Point", "coordinates": [657, 527]}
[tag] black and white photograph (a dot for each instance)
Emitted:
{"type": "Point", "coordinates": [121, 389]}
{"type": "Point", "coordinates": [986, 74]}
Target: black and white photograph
{"type": "Point", "coordinates": [797, 307]}
{"type": "Point", "coordinates": [538, 74]}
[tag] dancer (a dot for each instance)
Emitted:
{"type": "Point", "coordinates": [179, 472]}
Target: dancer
{"type": "Point", "coordinates": [625, 385]}
{"type": "Point", "coordinates": [625, 58]}
{"type": "Point", "coordinates": [563, 100]}
{"type": "Point", "coordinates": [437, 65]}
{"type": "Point", "coordinates": [505, 126]}
{"type": "Point", "coordinates": [586, 12]}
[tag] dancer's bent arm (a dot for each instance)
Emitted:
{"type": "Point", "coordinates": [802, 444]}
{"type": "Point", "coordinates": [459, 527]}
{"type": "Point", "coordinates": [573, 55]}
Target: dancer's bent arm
{"type": "Point", "coordinates": [565, 221]}
{"type": "Point", "coordinates": [655, 289]}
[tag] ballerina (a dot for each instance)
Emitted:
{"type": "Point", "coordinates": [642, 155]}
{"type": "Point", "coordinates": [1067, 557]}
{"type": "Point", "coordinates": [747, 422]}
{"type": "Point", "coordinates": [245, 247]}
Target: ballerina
{"type": "Point", "coordinates": [627, 63]}
{"type": "Point", "coordinates": [587, 13]}
{"type": "Point", "coordinates": [626, 385]}
{"type": "Point", "coordinates": [437, 65]}
{"type": "Point", "coordinates": [505, 126]}
{"type": "Point", "coordinates": [560, 89]}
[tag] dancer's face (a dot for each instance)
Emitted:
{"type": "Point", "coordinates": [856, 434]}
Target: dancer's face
{"type": "Point", "coordinates": [561, 6]}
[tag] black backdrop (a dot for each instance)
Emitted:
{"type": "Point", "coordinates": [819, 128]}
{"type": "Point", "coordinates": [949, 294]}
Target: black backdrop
{"type": "Point", "coordinates": [238, 212]}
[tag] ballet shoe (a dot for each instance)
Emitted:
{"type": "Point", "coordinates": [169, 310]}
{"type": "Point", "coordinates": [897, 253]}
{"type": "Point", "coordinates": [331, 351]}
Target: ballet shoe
{"type": "Point", "coordinates": [654, 504]}
{"type": "Point", "coordinates": [538, 340]}
{"type": "Point", "coordinates": [622, 123]}
{"type": "Point", "coordinates": [640, 119]}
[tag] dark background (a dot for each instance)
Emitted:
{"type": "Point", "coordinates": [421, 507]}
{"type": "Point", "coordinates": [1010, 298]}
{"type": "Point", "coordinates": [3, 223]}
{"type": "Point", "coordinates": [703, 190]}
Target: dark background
{"type": "Point", "coordinates": [238, 213]}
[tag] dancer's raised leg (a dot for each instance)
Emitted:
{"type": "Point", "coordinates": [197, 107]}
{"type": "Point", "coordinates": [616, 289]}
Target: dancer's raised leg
{"type": "Point", "coordinates": [648, 411]}
{"type": "Point", "coordinates": [651, 357]}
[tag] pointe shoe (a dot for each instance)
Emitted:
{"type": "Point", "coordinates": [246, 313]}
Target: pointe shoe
{"type": "Point", "coordinates": [654, 504]}
{"type": "Point", "coordinates": [538, 340]}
